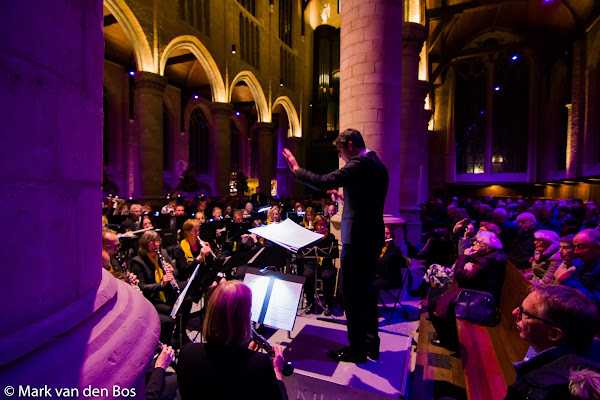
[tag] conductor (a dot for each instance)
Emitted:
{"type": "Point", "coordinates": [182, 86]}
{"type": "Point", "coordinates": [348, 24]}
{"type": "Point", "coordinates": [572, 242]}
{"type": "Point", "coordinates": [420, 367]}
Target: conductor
{"type": "Point", "coordinates": [364, 179]}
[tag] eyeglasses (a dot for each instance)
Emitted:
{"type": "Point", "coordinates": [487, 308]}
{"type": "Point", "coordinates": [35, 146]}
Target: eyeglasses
{"type": "Point", "coordinates": [522, 312]}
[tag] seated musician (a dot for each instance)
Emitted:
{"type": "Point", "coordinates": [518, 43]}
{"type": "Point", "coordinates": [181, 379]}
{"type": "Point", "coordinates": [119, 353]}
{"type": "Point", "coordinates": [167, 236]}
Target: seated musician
{"type": "Point", "coordinates": [156, 281]}
{"type": "Point", "coordinates": [309, 218]}
{"type": "Point", "coordinates": [110, 247]}
{"type": "Point", "coordinates": [274, 215]}
{"type": "Point", "coordinates": [191, 250]}
{"type": "Point", "coordinates": [324, 267]}
{"type": "Point", "coordinates": [389, 274]}
{"type": "Point", "coordinates": [224, 367]}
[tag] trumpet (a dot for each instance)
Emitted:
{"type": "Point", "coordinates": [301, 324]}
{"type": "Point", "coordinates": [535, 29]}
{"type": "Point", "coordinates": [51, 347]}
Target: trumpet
{"type": "Point", "coordinates": [162, 262]}
{"type": "Point", "coordinates": [262, 343]}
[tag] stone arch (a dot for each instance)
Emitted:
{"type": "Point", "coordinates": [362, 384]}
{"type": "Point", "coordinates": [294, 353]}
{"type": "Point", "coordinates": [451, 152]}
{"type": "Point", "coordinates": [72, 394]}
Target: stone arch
{"type": "Point", "coordinates": [206, 60]}
{"type": "Point", "coordinates": [262, 107]}
{"type": "Point", "coordinates": [295, 129]}
{"type": "Point", "coordinates": [132, 28]}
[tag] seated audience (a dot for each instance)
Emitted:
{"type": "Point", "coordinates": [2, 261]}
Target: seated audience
{"type": "Point", "coordinates": [522, 248]}
{"type": "Point", "coordinates": [566, 256]}
{"type": "Point", "coordinates": [481, 268]}
{"type": "Point", "coordinates": [585, 274]}
{"type": "Point", "coordinates": [559, 323]}
{"type": "Point", "coordinates": [546, 257]}
{"type": "Point", "coordinates": [224, 367]}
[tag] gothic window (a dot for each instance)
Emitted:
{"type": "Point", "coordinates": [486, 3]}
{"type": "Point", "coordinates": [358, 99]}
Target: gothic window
{"type": "Point", "coordinates": [249, 41]}
{"type": "Point", "coordinates": [491, 114]}
{"type": "Point", "coordinates": [196, 13]}
{"type": "Point", "coordinates": [249, 5]}
{"type": "Point", "coordinates": [286, 67]}
{"type": "Point", "coordinates": [285, 21]}
{"type": "Point", "coordinates": [326, 67]}
{"type": "Point", "coordinates": [510, 113]}
{"type": "Point", "coordinates": [470, 117]}
{"type": "Point", "coordinates": [199, 137]}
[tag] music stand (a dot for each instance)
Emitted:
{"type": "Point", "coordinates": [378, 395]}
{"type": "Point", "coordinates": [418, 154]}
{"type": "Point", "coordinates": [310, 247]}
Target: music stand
{"type": "Point", "coordinates": [314, 253]}
{"type": "Point", "coordinates": [267, 285]}
{"type": "Point", "coordinates": [175, 314]}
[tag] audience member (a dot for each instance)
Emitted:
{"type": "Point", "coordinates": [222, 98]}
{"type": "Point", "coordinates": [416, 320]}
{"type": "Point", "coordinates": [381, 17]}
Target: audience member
{"type": "Point", "coordinates": [559, 323]}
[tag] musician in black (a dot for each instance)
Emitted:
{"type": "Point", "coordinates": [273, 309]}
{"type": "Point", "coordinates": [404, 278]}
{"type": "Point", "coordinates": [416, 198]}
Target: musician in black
{"type": "Point", "coordinates": [323, 265]}
{"type": "Point", "coordinates": [364, 179]}
{"type": "Point", "coordinates": [157, 280]}
{"type": "Point", "coordinates": [224, 367]}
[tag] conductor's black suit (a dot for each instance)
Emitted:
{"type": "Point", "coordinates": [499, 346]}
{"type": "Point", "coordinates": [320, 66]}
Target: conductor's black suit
{"type": "Point", "coordinates": [364, 179]}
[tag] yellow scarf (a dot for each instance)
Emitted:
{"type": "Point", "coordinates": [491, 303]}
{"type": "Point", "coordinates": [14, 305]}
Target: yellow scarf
{"type": "Point", "coordinates": [187, 250]}
{"type": "Point", "coordinates": [158, 276]}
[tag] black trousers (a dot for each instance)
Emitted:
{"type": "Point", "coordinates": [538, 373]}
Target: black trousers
{"type": "Point", "coordinates": [360, 296]}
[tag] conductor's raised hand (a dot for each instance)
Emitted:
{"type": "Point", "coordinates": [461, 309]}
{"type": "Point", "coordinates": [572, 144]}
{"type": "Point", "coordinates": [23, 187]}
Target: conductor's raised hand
{"type": "Point", "coordinates": [291, 160]}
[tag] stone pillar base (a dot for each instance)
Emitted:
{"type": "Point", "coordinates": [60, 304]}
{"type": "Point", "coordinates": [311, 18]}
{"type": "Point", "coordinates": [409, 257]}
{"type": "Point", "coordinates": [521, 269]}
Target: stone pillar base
{"type": "Point", "coordinates": [104, 339]}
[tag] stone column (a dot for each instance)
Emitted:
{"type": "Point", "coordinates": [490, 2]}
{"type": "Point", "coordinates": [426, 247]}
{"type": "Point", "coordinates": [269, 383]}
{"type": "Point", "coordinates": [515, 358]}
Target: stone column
{"type": "Point", "coordinates": [266, 151]}
{"type": "Point", "coordinates": [371, 81]}
{"type": "Point", "coordinates": [283, 171]}
{"type": "Point", "coordinates": [220, 144]}
{"type": "Point", "coordinates": [148, 106]}
{"type": "Point", "coordinates": [66, 322]}
{"type": "Point", "coordinates": [412, 158]}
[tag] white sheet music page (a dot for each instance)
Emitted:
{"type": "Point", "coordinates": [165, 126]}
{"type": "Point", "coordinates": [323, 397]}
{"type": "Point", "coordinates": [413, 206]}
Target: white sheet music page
{"type": "Point", "coordinates": [287, 234]}
{"type": "Point", "coordinates": [283, 305]}
{"type": "Point", "coordinates": [258, 286]}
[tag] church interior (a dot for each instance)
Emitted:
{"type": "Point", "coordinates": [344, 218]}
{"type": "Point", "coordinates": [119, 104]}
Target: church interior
{"type": "Point", "coordinates": [169, 122]}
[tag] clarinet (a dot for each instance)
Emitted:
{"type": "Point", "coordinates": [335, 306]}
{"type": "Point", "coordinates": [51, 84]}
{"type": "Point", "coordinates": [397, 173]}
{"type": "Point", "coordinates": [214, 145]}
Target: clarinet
{"type": "Point", "coordinates": [262, 343]}
{"type": "Point", "coordinates": [162, 262]}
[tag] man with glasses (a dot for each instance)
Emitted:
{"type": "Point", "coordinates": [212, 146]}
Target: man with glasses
{"type": "Point", "coordinates": [365, 182]}
{"type": "Point", "coordinates": [559, 324]}
{"type": "Point", "coordinates": [585, 274]}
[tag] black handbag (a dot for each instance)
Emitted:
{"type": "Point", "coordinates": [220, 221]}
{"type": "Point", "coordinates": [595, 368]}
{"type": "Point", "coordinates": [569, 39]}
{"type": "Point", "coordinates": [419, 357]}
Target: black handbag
{"type": "Point", "coordinates": [477, 306]}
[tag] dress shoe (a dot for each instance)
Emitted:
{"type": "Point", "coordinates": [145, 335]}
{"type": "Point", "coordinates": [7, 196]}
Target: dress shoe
{"type": "Point", "coordinates": [348, 355]}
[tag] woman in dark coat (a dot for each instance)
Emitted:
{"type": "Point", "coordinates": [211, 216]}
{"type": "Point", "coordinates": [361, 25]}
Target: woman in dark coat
{"type": "Point", "coordinates": [481, 268]}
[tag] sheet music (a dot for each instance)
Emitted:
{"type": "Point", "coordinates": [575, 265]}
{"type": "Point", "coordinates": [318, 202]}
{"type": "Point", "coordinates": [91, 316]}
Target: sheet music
{"type": "Point", "coordinates": [281, 312]}
{"type": "Point", "coordinates": [287, 234]}
{"type": "Point", "coordinates": [258, 285]}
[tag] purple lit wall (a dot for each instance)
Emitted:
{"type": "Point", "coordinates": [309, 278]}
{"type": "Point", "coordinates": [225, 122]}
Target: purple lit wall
{"type": "Point", "coordinates": [65, 322]}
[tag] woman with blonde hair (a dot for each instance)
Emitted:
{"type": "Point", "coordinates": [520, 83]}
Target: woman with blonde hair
{"type": "Point", "coordinates": [224, 367]}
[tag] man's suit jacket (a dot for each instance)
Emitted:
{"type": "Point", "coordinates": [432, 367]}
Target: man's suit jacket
{"type": "Point", "coordinates": [365, 182]}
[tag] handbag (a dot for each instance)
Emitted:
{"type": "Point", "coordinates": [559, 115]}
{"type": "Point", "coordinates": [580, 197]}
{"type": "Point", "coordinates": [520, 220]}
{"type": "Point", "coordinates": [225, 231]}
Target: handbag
{"type": "Point", "coordinates": [477, 306]}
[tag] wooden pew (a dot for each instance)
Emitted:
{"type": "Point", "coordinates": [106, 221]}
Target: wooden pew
{"type": "Point", "coordinates": [487, 353]}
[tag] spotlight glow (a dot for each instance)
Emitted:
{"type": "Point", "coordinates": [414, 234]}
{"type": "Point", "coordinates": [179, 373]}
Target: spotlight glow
{"type": "Point", "coordinates": [131, 73]}
{"type": "Point", "coordinates": [497, 88]}
{"type": "Point", "coordinates": [196, 97]}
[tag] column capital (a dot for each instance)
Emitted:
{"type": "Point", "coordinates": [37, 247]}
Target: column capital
{"type": "Point", "coordinates": [150, 81]}
{"type": "Point", "coordinates": [221, 108]}
{"type": "Point", "coordinates": [413, 34]}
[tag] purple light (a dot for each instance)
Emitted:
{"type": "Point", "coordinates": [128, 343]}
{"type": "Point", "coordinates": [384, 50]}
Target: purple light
{"type": "Point", "coordinates": [515, 57]}
{"type": "Point", "coordinates": [132, 73]}
{"type": "Point", "coordinates": [196, 97]}
{"type": "Point", "coordinates": [237, 113]}
{"type": "Point", "coordinates": [497, 88]}
{"type": "Point", "coordinates": [547, 2]}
